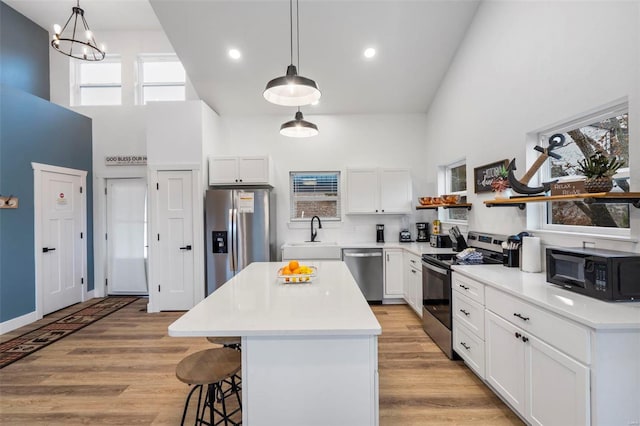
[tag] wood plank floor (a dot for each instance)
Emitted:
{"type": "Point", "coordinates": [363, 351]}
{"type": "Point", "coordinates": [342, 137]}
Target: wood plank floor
{"type": "Point", "coordinates": [121, 370]}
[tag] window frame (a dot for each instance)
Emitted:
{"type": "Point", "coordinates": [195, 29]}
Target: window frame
{"type": "Point", "coordinates": [140, 83]}
{"type": "Point", "coordinates": [337, 198]}
{"type": "Point", "coordinates": [77, 86]}
{"type": "Point", "coordinates": [445, 187]}
{"type": "Point", "coordinates": [539, 213]}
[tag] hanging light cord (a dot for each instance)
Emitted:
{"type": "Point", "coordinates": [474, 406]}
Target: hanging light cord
{"type": "Point", "coordinates": [298, 32]}
{"type": "Point", "coordinates": [291, 28]}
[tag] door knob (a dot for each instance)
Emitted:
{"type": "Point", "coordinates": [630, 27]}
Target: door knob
{"type": "Point", "coordinates": [47, 249]}
{"type": "Point", "coordinates": [185, 248]}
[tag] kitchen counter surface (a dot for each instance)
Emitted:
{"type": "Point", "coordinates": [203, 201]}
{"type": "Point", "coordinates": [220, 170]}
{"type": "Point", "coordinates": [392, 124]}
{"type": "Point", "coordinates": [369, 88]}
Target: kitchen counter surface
{"type": "Point", "coordinates": [415, 248]}
{"type": "Point", "coordinates": [534, 288]}
{"type": "Point", "coordinates": [255, 303]}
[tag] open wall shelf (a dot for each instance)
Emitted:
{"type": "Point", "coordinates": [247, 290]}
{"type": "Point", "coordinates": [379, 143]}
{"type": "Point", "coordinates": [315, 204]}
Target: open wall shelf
{"type": "Point", "coordinates": [445, 206]}
{"type": "Point", "coordinates": [632, 198]}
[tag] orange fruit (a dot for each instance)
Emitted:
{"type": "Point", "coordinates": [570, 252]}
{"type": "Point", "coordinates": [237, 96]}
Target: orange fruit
{"type": "Point", "coordinates": [296, 271]}
{"type": "Point", "coordinates": [286, 271]}
{"type": "Point", "coordinates": [293, 265]}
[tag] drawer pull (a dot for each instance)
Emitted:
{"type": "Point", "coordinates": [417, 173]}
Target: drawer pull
{"type": "Point", "coordinates": [464, 312]}
{"type": "Point", "coordinates": [518, 335]}
{"type": "Point", "coordinates": [464, 286]}
{"type": "Point", "coordinates": [521, 317]}
{"type": "Point", "coordinates": [525, 339]}
{"type": "Point", "coordinates": [464, 345]}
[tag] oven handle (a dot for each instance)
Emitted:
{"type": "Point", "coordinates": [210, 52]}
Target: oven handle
{"type": "Point", "coordinates": [434, 268]}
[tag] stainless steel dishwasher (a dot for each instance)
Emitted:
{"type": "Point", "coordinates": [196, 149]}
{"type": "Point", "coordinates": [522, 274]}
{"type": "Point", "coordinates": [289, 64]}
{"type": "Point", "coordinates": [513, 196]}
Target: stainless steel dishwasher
{"type": "Point", "coordinates": [366, 265]}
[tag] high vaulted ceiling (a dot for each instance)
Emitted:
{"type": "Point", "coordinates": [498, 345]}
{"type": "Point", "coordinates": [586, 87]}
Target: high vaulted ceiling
{"type": "Point", "coordinates": [415, 42]}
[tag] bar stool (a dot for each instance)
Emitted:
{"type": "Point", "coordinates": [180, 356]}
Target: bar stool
{"type": "Point", "coordinates": [232, 342]}
{"type": "Point", "coordinates": [211, 367]}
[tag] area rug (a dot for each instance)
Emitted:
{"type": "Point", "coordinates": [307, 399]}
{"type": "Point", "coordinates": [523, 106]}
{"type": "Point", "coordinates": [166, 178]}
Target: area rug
{"type": "Point", "coordinates": [28, 343]}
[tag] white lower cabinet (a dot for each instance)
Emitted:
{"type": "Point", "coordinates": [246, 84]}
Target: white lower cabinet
{"type": "Point", "coordinates": [393, 276]}
{"type": "Point", "coordinates": [544, 385]}
{"type": "Point", "coordinates": [412, 288]}
{"type": "Point", "coordinates": [468, 330]}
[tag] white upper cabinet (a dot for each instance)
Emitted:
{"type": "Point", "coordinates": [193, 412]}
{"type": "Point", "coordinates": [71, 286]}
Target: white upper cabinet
{"type": "Point", "coordinates": [378, 191]}
{"type": "Point", "coordinates": [239, 170]}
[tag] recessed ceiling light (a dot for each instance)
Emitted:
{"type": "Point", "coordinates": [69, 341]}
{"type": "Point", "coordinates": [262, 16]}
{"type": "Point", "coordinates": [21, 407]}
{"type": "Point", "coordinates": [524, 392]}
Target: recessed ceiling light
{"type": "Point", "coordinates": [234, 54]}
{"type": "Point", "coordinates": [370, 52]}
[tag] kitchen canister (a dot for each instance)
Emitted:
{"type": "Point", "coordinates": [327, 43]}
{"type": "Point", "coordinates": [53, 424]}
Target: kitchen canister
{"type": "Point", "coordinates": [531, 255]}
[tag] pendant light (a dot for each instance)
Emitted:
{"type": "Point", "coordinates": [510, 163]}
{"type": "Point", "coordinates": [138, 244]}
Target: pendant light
{"type": "Point", "coordinates": [292, 89]}
{"type": "Point", "coordinates": [299, 128]}
{"type": "Point", "coordinates": [69, 42]}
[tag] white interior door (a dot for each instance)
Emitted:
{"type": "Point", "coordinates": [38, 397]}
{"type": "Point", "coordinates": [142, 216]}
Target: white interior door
{"type": "Point", "coordinates": [61, 237]}
{"type": "Point", "coordinates": [175, 240]}
{"type": "Point", "coordinates": [126, 236]}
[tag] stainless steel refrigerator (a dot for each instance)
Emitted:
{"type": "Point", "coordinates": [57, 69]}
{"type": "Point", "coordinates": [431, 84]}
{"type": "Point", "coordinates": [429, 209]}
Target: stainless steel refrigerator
{"type": "Point", "coordinates": [240, 229]}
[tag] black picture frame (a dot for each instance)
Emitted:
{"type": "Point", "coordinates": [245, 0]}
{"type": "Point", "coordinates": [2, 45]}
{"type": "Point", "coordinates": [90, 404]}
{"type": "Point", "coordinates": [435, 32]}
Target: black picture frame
{"type": "Point", "coordinates": [484, 175]}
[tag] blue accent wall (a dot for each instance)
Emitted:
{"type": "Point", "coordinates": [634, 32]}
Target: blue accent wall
{"type": "Point", "coordinates": [24, 53]}
{"type": "Point", "coordinates": [32, 129]}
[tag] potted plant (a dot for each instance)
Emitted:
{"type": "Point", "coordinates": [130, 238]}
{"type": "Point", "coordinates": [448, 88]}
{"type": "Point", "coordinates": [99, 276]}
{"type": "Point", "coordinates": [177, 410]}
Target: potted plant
{"type": "Point", "coordinates": [598, 170]}
{"type": "Point", "coordinates": [500, 184]}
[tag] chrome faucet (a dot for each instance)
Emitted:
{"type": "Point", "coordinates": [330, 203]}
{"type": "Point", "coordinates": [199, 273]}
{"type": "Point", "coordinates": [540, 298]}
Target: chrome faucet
{"type": "Point", "coordinates": [314, 233]}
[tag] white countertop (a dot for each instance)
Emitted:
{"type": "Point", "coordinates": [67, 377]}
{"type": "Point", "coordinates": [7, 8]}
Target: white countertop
{"type": "Point", "coordinates": [415, 248]}
{"type": "Point", "coordinates": [255, 303]}
{"type": "Point", "coordinates": [534, 288]}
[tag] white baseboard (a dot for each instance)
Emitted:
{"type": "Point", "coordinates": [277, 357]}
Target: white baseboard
{"type": "Point", "coordinates": [18, 322]}
{"type": "Point", "coordinates": [90, 295]}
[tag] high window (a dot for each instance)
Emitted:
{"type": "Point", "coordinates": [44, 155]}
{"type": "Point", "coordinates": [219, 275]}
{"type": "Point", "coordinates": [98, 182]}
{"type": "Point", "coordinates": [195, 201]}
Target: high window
{"type": "Point", "coordinates": [97, 83]}
{"type": "Point", "coordinates": [160, 78]}
{"type": "Point", "coordinates": [455, 182]}
{"type": "Point", "coordinates": [315, 194]}
{"type": "Point", "coordinates": [605, 131]}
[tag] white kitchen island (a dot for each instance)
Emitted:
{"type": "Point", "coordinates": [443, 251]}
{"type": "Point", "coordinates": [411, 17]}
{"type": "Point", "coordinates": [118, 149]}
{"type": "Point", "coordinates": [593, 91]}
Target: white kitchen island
{"type": "Point", "coordinates": [309, 351]}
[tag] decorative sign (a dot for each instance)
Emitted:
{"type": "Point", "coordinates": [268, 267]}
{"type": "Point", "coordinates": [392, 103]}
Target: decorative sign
{"type": "Point", "coordinates": [61, 200]}
{"type": "Point", "coordinates": [246, 202]}
{"type": "Point", "coordinates": [568, 188]}
{"type": "Point", "coordinates": [484, 175]}
{"type": "Point", "coordinates": [125, 160]}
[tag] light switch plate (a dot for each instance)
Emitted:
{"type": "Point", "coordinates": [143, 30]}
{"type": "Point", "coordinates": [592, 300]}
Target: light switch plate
{"type": "Point", "coordinates": [8, 202]}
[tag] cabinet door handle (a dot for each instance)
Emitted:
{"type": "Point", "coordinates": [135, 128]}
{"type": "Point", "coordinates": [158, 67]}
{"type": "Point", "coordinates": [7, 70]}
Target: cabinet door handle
{"type": "Point", "coordinates": [47, 249]}
{"type": "Point", "coordinates": [521, 317]}
{"type": "Point", "coordinates": [185, 248]}
{"type": "Point", "coordinates": [525, 339]}
{"type": "Point", "coordinates": [465, 287]}
{"type": "Point", "coordinates": [464, 345]}
{"type": "Point", "coordinates": [414, 271]}
{"type": "Point", "coordinates": [464, 312]}
{"type": "Point", "coordinates": [518, 335]}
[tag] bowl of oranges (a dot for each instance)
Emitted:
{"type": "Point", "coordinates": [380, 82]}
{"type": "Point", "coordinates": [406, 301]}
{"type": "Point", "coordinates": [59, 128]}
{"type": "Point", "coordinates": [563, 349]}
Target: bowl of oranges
{"type": "Point", "coordinates": [294, 273]}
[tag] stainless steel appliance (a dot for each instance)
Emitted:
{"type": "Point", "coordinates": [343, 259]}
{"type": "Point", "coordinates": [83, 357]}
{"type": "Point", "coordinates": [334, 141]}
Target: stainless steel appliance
{"type": "Point", "coordinates": [440, 241]}
{"type": "Point", "coordinates": [423, 232]}
{"type": "Point", "coordinates": [405, 236]}
{"type": "Point", "coordinates": [240, 229]}
{"type": "Point", "coordinates": [602, 274]}
{"type": "Point", "coordinates": [379, 233]}
{"type": "Point", "coordinates": [366, 265]}
{"type": "Point", "coordinates": [436, 286]}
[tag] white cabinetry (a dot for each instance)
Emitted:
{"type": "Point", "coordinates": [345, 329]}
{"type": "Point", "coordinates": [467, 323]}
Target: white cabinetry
{"type": "Point", "coordinates": [393, 276]}
{"type": "Point", "coordinates": [239, 170]}
{"type": "Point", "coordinates": [468, 329]}
{"type": "Point", "coordinates": [532, 361]}
{"type": "Point", "coordinates": [378, 191]}
{"type": "Point", "coordinates": [412, 290]}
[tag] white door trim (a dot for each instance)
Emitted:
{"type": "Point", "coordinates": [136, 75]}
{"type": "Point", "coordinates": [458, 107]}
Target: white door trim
{"type": "Point", "coordinates": [38, 168]}
{"type": "Point", "coordinates": [198, 232]}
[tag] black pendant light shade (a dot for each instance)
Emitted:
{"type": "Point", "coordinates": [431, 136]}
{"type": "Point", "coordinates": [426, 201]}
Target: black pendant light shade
{"type": "Point", "coordinates": [292, 89]}
{"type": "Point", "coordinates": [68, 39]}
{"type": "Point", "coordinates": [299, 128]}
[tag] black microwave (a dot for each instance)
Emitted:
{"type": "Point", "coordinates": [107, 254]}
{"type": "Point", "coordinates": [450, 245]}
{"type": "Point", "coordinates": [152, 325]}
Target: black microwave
{"type": "Point", "coordinates": [602, 274]}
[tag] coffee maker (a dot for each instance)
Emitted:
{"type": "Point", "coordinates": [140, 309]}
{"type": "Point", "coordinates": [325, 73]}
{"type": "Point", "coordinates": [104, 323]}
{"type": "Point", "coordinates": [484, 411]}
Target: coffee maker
{"type": "Point", "coordinates": [423, 232]}
{"type": "Point", "coordinates": [379, 233]}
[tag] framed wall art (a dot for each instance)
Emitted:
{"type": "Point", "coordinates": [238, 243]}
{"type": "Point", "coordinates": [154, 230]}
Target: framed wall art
{"type": "Point", "coordinates": [484, 175]}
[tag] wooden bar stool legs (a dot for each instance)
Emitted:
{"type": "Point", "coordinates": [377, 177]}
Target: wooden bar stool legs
{"type": "Point", "coordinates": [211, 368]}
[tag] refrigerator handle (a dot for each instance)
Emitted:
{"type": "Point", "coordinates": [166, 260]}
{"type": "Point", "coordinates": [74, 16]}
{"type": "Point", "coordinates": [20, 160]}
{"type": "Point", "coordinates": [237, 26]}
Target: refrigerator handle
{"type": "Point", "coordinates": [232, 265]}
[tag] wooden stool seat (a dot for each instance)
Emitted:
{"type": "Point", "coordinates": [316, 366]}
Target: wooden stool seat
{"type": "Point", "coordinates": [208, 366]}
{"type": "Point", "coordinates": [225, 340]}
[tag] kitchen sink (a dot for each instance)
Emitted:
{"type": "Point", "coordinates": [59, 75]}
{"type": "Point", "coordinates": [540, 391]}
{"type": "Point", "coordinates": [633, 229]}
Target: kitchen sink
{"type": "Point", "coordinates": [317, 250]}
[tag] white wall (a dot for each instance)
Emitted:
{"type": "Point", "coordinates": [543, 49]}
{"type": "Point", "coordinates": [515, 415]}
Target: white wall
{"type": "Point", "coordinates": [344, 141]}
{"type": "Point", "coordinates": [524, 66]}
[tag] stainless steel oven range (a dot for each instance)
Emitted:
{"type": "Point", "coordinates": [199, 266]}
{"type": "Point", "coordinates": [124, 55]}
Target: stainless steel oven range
{"type": "Point", "coordinates": [436, 285]}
